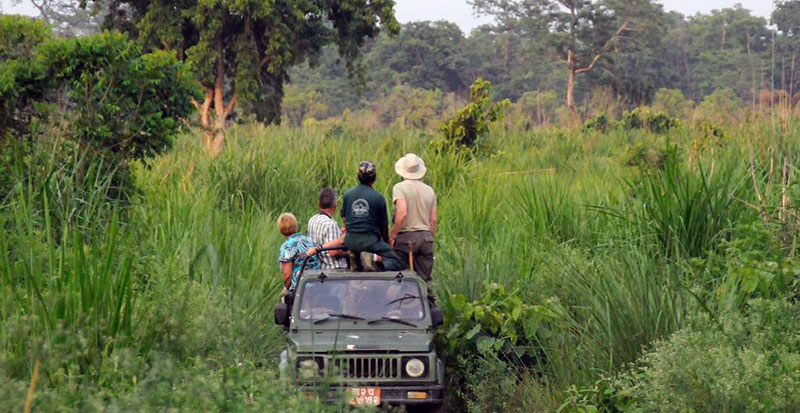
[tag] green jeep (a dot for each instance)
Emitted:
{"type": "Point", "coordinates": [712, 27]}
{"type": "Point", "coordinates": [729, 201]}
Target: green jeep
{"type": "Point", "coordinates": [367, 334]}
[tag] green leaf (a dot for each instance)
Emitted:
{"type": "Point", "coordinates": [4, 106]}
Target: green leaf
{"type": "Point", "coordinates": [750, 279]}
{"type": "Point", "coordinates": [471, 333]}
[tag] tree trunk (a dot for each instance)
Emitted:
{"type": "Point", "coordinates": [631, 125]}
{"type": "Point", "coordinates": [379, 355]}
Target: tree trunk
{"type": "Point", "coordinates": [219, 104]}
{"type": "Point", "coordinates": [204, 111]}
{"type": "Point", "coordinates": [214, 136]}
{"type": "Point", "coordinates": [571, 80]}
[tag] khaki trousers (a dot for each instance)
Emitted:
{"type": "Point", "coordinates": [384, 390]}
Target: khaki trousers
{"type": "Point", "coordinates": [421, 248]}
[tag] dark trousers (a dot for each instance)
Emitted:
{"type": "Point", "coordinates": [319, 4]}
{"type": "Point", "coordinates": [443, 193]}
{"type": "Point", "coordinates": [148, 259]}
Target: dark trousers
{"type": "Point", "coordinates": [358, 243]}
{"type": "Point", "coordinates": [421, 247]}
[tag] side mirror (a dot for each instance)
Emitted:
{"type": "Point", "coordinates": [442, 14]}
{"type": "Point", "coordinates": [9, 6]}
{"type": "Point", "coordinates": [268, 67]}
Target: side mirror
{"type": "Point", "coordinates": [282, 315]}
{"type": "Point", "coordinates": [437, 318]}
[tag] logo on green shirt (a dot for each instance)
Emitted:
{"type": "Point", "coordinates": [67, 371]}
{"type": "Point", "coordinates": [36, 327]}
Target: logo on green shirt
{"type": "Point", "coordinates": [360, 207]}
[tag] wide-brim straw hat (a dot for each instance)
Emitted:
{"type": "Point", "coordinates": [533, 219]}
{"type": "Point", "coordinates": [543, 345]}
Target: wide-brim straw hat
{"type": "Point", "coordinates": [410, 166]}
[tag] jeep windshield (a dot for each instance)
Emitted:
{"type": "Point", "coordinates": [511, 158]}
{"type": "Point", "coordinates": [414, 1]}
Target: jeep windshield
{"type": "Point", "coordinates": [362, 299]}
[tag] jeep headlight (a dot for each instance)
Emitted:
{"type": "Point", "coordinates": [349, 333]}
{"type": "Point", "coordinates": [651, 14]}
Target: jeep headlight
{"type": "Point", "coordinates": [307, 368]}
{"type": "Point", "coordinates": [415, 368]}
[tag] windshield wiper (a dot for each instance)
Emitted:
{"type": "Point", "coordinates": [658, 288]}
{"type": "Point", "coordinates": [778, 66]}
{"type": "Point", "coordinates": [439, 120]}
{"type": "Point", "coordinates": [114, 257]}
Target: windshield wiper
{"type": "Point", "coordinates": [336, 315]}
{"type": "Point", "coordinates": [403, 298]}
{"type": "Point", "coordinates": [395, 320]}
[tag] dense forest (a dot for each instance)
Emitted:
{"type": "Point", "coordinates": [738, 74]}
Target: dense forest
{"type": "Point", "coordinates": [623, 50]}
{"type": "Point", "coordinates": [696, 55]}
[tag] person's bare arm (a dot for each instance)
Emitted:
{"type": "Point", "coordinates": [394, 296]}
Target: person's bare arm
{"type": "Point", "coordinates": [433, 220]}
{"type": "Point", "coordinates": [383, 222]}
{"type": "Point", "coordinates": [338, 242]}
{"type": "Point", "coordinates": [286, 269]}
{"type": "Point", "coordinates": [400, 217]}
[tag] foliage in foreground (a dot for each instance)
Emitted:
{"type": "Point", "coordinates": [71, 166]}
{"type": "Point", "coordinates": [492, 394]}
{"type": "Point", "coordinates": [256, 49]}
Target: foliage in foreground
{"type": "Point", "coordinates": [742, 362]}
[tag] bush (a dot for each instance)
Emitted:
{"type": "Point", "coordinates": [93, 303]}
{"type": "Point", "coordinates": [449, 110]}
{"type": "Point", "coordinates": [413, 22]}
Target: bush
{"type": "Point", "coordinates": [599, 124]}
{"type": "Point", "coordinates": [300, 105]}
{"type": "Point", "coordinates": [120, 101]}
{"type": "Point", "coordinates": [708, 136]}
{"type": "Point", "coordinates": [497, 323]}
{"type": "Point", "coordinates": [632, 119]}
{"type": "Point", "coordinates": [721, 106]}
{"type": "Point", "coordinates": [125, 102]}
{"type": "Point", "coordinates": [672, 103]}
{"type": "Point", "coordinates": [471, 123]}
{"type": "Point", "coordinates": [661, 123]}
{"type": "Point", "coordinates": [646, 155]}
{"type": "Point", "coordinates": [747, 362]}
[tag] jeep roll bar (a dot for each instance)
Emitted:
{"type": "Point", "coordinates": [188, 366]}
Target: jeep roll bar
{"type": "Point", "coordinates": [289, 298]}
{"type": "Point", "coordinates": [305, 260]}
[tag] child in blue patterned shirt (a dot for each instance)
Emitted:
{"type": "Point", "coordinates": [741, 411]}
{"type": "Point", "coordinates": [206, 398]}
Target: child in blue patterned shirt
{"type": "Point", "coordinates": [293, 250]}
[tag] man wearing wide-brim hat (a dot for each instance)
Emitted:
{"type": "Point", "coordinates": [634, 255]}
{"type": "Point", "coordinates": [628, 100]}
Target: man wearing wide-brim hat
{"type": "Point", "coordinates": [415, 216]}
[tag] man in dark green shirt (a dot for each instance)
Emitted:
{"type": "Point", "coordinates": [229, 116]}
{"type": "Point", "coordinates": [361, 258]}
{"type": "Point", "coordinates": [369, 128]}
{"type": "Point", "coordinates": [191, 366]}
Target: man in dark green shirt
{"type": "Point", "coordinates": [366, 220]}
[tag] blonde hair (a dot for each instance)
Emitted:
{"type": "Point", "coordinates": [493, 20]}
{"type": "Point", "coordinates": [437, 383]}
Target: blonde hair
{"type": "Point", "coordinates": [287, 224]}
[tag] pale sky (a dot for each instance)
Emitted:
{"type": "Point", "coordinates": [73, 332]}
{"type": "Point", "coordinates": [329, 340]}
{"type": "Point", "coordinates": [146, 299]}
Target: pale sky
{"type": "Point", "coordinates": [460, 12]}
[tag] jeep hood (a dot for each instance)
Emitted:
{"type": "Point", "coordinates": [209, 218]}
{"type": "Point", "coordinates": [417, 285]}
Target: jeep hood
{"type": "Point", "coordinates": [323, 341]}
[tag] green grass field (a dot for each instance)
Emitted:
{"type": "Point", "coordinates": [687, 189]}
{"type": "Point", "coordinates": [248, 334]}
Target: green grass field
{"type": "Point", "coordinates": [657, 272]}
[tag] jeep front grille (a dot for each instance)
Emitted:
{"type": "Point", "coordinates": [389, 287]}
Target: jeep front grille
{"type": "Point", "coordinates": [369, 367]}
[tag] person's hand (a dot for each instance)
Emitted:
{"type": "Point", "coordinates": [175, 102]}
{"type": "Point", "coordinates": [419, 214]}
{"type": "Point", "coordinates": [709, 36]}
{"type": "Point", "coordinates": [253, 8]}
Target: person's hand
{"type": "Point", "coordinates": [392, 241]}
{"type": "Point", "coordinates": [311, 252]}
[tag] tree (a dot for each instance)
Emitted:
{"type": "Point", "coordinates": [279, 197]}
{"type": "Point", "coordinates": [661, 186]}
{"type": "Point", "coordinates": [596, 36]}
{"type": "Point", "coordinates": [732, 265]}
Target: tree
{"type": "Point", "coordinates": [728, 48]}
{"type": "Point", "coordinates": [672, 103]}
{"type": "Point", "coordinates": [241, 51]}
{"type": "Point", "coordinates": [67, 17]}
{"type": "Point", "coordinates": [19, 38]}
{"type": "Point", "coordinates": [424, 55]}
{"type": "Point", "coordinates": [300, 103]}
{"type": "Point", "coordinates": [112, 98]}
{"type": "Point", "coordinates": [416, 107]}
{"type": "Point", "coordinates": [580, 32]}
{"type": "Point", "coordinates": [786, 18]}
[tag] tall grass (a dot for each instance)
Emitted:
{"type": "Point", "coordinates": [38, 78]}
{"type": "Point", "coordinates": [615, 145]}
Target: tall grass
{"type": "Point", "coordinates": [690, 211]}
{"type": "Point", "coordinates": [173, 284]}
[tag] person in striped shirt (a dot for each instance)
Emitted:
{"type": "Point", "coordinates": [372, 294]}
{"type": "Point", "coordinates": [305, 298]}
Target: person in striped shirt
{"type": "Point", "coordinates": [325, 232]}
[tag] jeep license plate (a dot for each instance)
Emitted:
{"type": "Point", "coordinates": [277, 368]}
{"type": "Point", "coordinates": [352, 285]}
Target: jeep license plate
{"type": "Point", "coordinates": [364, 396]}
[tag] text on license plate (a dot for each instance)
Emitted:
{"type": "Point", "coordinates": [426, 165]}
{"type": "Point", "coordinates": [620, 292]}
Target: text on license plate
{"type": "Point", "coordinates": [364, 396]}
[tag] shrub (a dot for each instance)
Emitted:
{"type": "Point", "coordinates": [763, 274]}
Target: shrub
{"type": "Point", "coordinates": [661, 123]}
{"type": "Point", "coordinates": [120, 101]}
{"type": "Point", "coordinates": [747, 362]}
{"type": "Point", "coordinates": [125, 102]}
{"type": "Point", "coordinates": [471, 123]}
{"type": "Point", "coordinates": [672, 103]}
{"type": "Point", "coordinates": [497, 323]}
{"type": "Point", "coordinates": [721, 106]}
{"type": "Point", "coordinates": [490, 385]}
{"type": "Point", "coordinates": [708, 136]}
{"type": "Point", "coordinates": [632, 119]}
{"type": "Point", "coordinates": [645, 155]}
{"type": "Point", "coordinates": [302, 104]}
{"type": "Point", "coordinates": [19, 38]}
{"type": "Point", "coordinates": [599, 124]}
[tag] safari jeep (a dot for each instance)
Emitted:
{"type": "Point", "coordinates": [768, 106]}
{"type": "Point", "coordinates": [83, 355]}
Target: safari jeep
{"type": "Point", "coordinates": [366, 334]}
